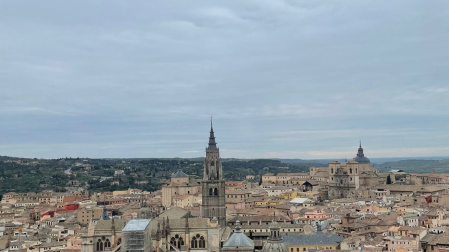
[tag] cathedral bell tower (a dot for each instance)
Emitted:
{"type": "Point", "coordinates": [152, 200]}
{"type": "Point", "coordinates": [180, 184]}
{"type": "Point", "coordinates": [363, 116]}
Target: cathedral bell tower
{"type": "Point", "coordinates": [213, 185]}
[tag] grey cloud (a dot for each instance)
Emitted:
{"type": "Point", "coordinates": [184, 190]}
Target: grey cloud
{"type": "Point", "coordinates": [110, 73]}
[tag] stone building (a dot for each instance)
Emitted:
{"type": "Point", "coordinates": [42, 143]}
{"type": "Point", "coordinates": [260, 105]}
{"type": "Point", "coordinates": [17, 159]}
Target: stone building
{"type": "Point", "coordinates": [180, 184]}
{"type": "Point", "coordinates": [104, 235]}
{"type": "Point", "coordinates": [87, 214]}
{"type": "Point", "coordinates": [213, 185]}
{"type": "Point", "coordinates": [349, 176]}
{"type": "Point", "coordinates": [187, 234]}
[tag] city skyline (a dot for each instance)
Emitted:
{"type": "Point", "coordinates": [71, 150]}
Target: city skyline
{"type": "Point", "coordinates": [282, 79]}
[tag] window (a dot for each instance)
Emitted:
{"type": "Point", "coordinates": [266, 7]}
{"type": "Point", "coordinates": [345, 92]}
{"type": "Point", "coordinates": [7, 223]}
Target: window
{"type": "Point", "coordinates": [177, 241]}
{"type": "Point", "coordinates": [198, 241]}
{"type": "Point", "coordinates": [100, 245]}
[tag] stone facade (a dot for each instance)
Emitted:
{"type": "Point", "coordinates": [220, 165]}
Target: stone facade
{"type": "Point", "coordinates": [213, 185]}
{"type": "Point", "coordinates": [345, 178]}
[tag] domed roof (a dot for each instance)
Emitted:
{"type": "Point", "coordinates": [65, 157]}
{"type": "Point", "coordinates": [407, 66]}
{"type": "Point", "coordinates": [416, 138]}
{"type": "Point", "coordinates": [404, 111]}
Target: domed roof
{"type": "Point", "coordinates": [238, 239]}
{"type": "Point", "coordinates": [271, 246]}
{"type": "Point", "coordinates": [360, 158]}
{"type": "Point", "coordinates": [275, 242]}
{"type": "Point", "coordinates": [179, 174]}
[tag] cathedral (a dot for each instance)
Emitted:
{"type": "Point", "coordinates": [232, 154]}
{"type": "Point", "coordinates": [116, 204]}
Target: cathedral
{"type": "Point", "coordinates": [176, 229]}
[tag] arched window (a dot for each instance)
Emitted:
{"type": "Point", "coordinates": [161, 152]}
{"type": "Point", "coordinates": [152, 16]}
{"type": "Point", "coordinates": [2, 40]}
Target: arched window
{"type": "Point", "coordinates": [211, 191]}
{"type": "Point", "coordinates": [215, 191]}
{"type": "Point", "coordinates": [119, 241]}
{"type": "Point", "coordinates": [202, 243]}
{"type": "Point", "coordinates": [212, 163]}
{"type": "Point", "coordinates": [332, 170]}
{"type": "Point", "coordinates": [176, 242]}
{"type": "Point", "coordinates": [198, 241]}
{"type": "Point", "coordinates": [194, 243]}
{"type": "Point", "coordinates": [107, 243]}
{"type": "Point", "coordinates": [100, 245]}
{"type": "Point", "coordinates": [350, 170]}
{"type": "Point", "coordinates": [173, 242]}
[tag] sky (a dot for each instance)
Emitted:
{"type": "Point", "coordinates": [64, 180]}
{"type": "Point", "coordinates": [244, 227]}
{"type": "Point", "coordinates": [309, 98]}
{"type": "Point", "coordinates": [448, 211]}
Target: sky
{"type": "Point", "coordinates": [302, 79]}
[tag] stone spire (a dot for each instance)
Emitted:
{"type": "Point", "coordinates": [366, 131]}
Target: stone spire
{"type": "Point", "coordinates": [212, 143]}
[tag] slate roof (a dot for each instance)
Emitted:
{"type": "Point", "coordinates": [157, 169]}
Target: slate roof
{"type": "Point", "coordinates": [179, 174]}
{"type": "Point", "coordinates": [315, 239]}
{"type": "Point", "coordinates": [107, 224]}
{"type": "Point", "coordinates": [238, 239]}
{"type": "Point", "coordinates": [173, 213]}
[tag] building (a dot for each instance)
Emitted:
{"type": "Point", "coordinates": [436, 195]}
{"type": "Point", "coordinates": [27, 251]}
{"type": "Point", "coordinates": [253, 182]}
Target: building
{"type": "Point", "coordinates": [180, 184]}
{"type": "Point", "coordinates": [213, 185]}
{"type": "Point", "coordinates": [275, 242]}
{"type": "Point", "coordinates": [87, 214]}
{"type": "Point", "coordinates": [318, 241]}
{"type": "Point", "coordinates": [136, 236]}
{"type": "Point", "coordinates": [349, 176]}
{"type": "Point", "coordinates": [238, 242]}
{"type": "Point", "coordinates": [104, 235]}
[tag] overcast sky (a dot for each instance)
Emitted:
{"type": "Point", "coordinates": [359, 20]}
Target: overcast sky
{"type": "Point", "coordinates": [284, 79]}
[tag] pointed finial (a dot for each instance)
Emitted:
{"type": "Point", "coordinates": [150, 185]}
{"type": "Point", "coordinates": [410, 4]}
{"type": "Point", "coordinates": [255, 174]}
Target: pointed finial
{"type": "Point", "coordinates": [360, 143]}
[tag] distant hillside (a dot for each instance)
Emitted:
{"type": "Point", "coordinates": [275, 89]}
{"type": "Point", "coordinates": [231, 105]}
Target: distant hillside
{"type": "Point", "coordinates": [34, 175]}
{"type": "Point", "coordinates": [415, 166]}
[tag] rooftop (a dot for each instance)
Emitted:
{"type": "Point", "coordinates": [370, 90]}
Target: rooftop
{"type": "Point", "coordinates": [136, 225]}
{"type": "Point", "coordinates": [179, 174]}
{"type": "Point", "coordinates": [315, 239]}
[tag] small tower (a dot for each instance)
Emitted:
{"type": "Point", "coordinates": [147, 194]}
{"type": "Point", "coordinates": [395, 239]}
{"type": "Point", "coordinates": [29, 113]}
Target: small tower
{"type": "Point", "coordinates": [213, 185]}
{"type": "Point", "coordinates": [275, 242]}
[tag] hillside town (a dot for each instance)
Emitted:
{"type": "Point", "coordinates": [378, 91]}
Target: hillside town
{"type": "Point", "coordinates": [347, 206]}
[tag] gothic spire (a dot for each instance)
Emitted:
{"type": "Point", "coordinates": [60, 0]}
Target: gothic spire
{"type": "Point", "coordinates": [212, 143]}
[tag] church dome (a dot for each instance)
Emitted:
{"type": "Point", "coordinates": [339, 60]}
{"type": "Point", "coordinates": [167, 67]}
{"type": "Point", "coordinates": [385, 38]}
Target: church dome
{"type": "Point", "coordinates": [275, 242]}
{"type": "Point", "coordinates": [360, 158]}
{"type": "Point", "coordinates": [238, 239]}
{"type": "Point", "coordinates": [275, 247]}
